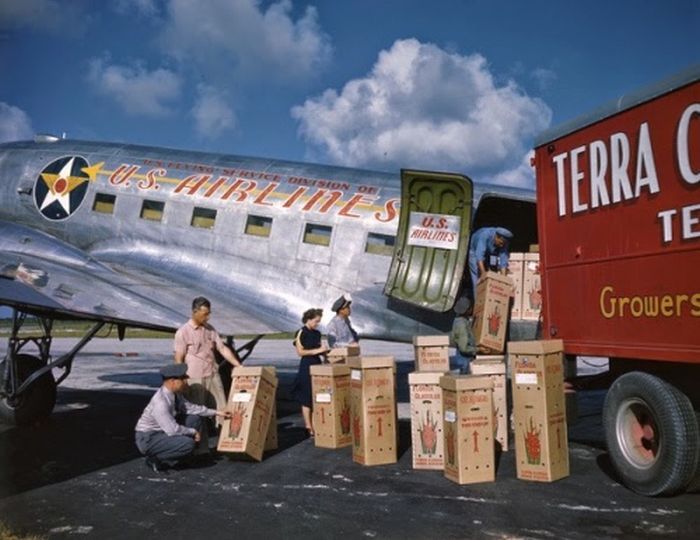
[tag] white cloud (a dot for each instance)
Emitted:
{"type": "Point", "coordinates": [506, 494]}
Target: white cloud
{"type": "Point", "coordinates": [48, 15]}
{"type": "Point", "coordinates": [136, 89]}
{"type": "Point", "coordinates": [427, 108]}
{"type": "Point", "coordinates": [15, 125]}
{"type": "Point", "coordinates": [223, 38]}
{"type": "Point", "coordinates": [522, 175]}
{"type": "Point", "coordinates": [212, 113]}
{"type": "Point", "coordinates": [544, 77]}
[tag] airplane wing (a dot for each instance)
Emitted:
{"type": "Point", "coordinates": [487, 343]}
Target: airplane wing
{"type": "Point", "coordinates": [43, 275]}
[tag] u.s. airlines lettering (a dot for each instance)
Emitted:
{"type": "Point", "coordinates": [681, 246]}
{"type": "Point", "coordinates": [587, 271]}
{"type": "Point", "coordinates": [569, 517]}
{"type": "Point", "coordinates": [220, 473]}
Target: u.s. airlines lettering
{"type": "Point", "coordinates": [612, 177]}
{"type": "Point", "coordinates": [235, 186]}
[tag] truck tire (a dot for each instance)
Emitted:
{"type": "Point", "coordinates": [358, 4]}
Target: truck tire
{"type": "Point", "coordinates": [651, 433]}
{"type": "Point", "coordinates": [37, 402]}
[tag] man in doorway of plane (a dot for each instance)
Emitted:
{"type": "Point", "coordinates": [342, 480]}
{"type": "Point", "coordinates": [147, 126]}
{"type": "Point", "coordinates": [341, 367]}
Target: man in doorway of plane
{"type": "Point", "coordinates": [340, 331]}
{"type": "Point", "coordinates": [488, 250]}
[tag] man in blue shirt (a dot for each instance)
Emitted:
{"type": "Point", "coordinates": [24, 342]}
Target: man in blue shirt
{"type": "Point", "coordinates": [488, 250]}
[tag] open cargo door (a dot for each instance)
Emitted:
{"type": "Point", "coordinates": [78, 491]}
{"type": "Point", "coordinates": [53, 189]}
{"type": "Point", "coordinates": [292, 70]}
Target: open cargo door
{"type": "Point", "coordinates": [432, 241]}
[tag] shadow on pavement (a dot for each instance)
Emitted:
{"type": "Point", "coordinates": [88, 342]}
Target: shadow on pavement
{"type": "Point", "coordinates": [90, 430]}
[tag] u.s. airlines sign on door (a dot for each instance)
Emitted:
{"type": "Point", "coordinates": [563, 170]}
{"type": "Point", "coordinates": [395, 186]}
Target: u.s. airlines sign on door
{"type": "Point", "coordinates": [434, 230]}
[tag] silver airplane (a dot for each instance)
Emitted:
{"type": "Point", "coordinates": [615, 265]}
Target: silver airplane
{"type": "Point", "coordinates": [128, 235]}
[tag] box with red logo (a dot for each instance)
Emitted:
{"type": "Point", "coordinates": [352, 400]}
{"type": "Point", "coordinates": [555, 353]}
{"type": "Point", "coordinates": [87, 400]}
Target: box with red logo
{"type": "Point", "coordinates": [373, 409]}
{"type": "Point", "coordinates": [251, 403]}
{"type": "Point", "coordinates": [495, 367]}
{"type": "Point", "coordinates": [532, 287]}
{"type": "Point", "coordinates": [426, 420]}
{"type": "Point", "coordinates": [330, 388]}
{"type": "Point", "coordinates": [539, 411]}
{"type": "Point", "coordinates": [467, 402]}
{"type": "Point", "coordinates": [432, 353]}
{"type": "Point", "coordinates": [340, 355]}
{"type": "Point", "coordinates": [491, 310]}
{"type": "Point", "coordinates": [515, 273]}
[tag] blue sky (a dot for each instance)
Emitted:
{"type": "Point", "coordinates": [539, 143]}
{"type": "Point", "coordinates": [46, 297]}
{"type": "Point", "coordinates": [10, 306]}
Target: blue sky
{"type": "Point", "coordinates": [459, 85]}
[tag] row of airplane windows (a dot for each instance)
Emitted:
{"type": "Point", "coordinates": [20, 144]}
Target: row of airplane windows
{"type": "Point", "coordinates": [261, 226]}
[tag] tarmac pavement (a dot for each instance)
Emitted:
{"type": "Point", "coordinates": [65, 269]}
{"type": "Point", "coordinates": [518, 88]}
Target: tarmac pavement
{"type": "Point", "coordinates": [79, 473]}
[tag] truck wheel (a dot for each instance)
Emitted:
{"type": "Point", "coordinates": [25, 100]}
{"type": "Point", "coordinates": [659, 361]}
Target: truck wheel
{"type": "Point", "coordinates": [652, 434]}
{"type": "Point", "coordinates": [37, 402]}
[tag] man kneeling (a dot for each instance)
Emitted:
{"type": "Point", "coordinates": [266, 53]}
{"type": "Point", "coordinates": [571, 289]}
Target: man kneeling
{"type": "Point", "coordinates": [169, 428]}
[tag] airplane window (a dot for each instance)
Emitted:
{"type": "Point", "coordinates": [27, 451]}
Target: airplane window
{"type": "Point", "coordinates": [104, 203]}
{"type": "Point", "coordinates": [317, 234]}
{"type": "Point", "coordinates": [152, 210]}
{"type": "Point", "coordinates": [258, 225]}
{"type": "Point", "coordinates": [203, 218]}
{"type": "Point", "coordinates": [380, 244]}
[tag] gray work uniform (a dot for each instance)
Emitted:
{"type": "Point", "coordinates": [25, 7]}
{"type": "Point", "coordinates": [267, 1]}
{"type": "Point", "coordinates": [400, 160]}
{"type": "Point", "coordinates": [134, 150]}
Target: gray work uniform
{"type": "Point", "coordinates": [159, 433]}
{"type": "Point", "coordinates": [340, 332]}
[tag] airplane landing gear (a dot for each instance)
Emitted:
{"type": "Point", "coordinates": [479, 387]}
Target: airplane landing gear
{"type": "Point", "coordinates": [37, 402]}
{"type": "Point", "coordinates": [27, 384]}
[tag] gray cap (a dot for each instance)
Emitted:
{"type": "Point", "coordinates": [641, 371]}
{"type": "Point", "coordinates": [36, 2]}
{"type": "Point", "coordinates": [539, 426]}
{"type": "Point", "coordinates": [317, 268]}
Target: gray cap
{"type": "Point", "coordinates": [505, 233]}
{"type": "Point", "coordinates": [174, 371]}
{"type": "Point", "coordinates": [340, 303]}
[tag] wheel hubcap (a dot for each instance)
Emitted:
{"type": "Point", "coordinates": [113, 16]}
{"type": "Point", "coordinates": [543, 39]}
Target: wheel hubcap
{"type": "Point", "coordinates": [637, 433]}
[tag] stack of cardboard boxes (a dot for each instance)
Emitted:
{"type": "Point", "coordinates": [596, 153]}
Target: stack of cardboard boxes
{"type": "Point", "coordinates": [432, 361]}
{"type": "Point", "coordinates": [524, 272]}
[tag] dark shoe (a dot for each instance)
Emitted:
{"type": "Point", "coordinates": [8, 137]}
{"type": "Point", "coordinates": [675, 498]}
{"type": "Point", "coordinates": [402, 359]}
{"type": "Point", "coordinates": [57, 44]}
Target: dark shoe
{"type": "Point", "coordinates": [156, 465]}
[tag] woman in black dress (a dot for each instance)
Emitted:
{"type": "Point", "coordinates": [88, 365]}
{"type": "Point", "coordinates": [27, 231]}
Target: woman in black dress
{"type": "Point", "coordinates": [308, 344]}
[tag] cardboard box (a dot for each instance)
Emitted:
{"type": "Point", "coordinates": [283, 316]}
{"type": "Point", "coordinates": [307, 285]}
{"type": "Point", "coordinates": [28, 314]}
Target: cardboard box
{"type": "Point", "coordinates": [495, 367]}
{"type": "Point", "coordinates": [467, 402]}
{"type": "Point", "coordinates": [330, 384]}
{"type": "Point", "coordinates": [532, 287]}
{"type": "Point", "coordinates": [539, 411]}
{"type": "Point", "coordinates": [251, 402]}
{"type": "Point", "coordinates": [339, 355]}
{"type": "Point", "coordinates": [426, 420]}
{"type": "Point", "coordinates": [515, 273]}
{"type": "Point", "coordinates": [373, 409]}
{"type": "Point", "coordinates": [432, 353]}
{"type": "Point", "coordinates": [491, 310]}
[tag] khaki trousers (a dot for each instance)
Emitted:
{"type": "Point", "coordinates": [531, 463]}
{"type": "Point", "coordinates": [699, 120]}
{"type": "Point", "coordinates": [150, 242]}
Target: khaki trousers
{"type": "Point", "coordinates": [207, 391]}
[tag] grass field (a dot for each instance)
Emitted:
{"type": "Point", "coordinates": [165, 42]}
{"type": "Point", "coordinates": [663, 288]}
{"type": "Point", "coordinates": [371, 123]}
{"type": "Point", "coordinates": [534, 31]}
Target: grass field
{"type": "Point", "coordinates": [78, 329]}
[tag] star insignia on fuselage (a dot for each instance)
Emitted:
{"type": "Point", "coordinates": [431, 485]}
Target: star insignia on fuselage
{"type": "Point", "coordinates": [61, 187]}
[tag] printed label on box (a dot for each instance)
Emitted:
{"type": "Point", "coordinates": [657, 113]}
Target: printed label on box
{"type": "Point", "coordinates": [450, 416]}
{"type": "Point", "coordinates": [526, 378]}
{"type": "Point", "coordinates": [323, 398]}
{"type": "Point", "coordinates": [356, 375]}
{"type": "Point", "coordinates": [241, 397]}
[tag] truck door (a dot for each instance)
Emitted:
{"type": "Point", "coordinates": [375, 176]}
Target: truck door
{"type": "Point", "coordinates": [432, 240]}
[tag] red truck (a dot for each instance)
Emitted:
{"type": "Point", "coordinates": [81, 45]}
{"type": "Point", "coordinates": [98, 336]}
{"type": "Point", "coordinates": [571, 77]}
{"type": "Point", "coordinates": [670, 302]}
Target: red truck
{"type": "Point", "coordinates": [618, 212]}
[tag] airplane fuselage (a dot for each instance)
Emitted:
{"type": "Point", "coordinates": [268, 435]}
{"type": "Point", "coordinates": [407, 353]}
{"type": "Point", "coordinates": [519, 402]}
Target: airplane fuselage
{"type": "Point", "coordinates": [277, 236]}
